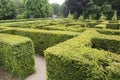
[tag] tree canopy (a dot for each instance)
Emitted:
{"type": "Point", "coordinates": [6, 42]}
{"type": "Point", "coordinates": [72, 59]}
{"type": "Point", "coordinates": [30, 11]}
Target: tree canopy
{"type": "Point", "coordinates": [93, 8]}
{"type": "Point", "coordinates": [37, 8]}
{"type": "Point", "coordinates": [56, 9]}
{"type": "Point", "coordinates": [7, 10]}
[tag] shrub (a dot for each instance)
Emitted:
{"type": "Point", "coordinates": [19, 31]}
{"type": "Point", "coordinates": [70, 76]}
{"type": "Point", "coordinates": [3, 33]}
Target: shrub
{"type": "Point", "coordinates": [76, 60]}
{"type": "Point", "coordinates": [81, 18]}
{"type": "Point", "coordinates": [91, 24]}
{"type": "Point", "coordinates": [16, 55]}
{"type": "Point", "coordinates": [64, 28]}
{"type": "Point", "coordinates": [102, 17]}
{"type": "Point", "coordinates": [111, 43]}
{"type": "Point", "coordinates": [100, 26]}
{"type": "Point", "coordinates": [42, 38]}
{"type": "Point", "coordinates": [109, 32]}
{"type": "Point", "coordinates": [113, 26]}
{"type": "Point", "coordinates": [114, 18]}
{"type": "Point", "coordinates": [20, 16]}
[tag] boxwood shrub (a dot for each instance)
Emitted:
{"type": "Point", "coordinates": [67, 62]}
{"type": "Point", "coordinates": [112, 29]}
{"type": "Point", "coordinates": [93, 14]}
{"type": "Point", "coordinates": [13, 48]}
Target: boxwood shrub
{"type": "Point", "coordinates": [108, 43]}
{"type": "Point", "coordinates": [91, 24]}
{"type": "Point", "coordinates": [113, 26]}
{"type": "Point", "coordinates": [101, 26]}
{"type": "Point", "coordinates": [109, 32]}
{"type": "Point", "coordinates": [16, 55]}
{"type": "Point", "coordinates": [62, 28]}
{"type": "Point", "coordinates": [75, 59]}
{"type": "Point", "coordinates": [43, 38]}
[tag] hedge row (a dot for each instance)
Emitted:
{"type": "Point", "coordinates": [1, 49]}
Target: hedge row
{"type": "Point", "coordinates": [108, 43]}
{"type": "Point", "coordinates": [23, 20]}
{"type": "Point", "coordinates": [42, 38]}
{"type": "Point", "coordinates": [91, 24]}
{"type": "Point", "coordinates": [101, 26]}
{"type": "Point", "coordinates": [45, 25]}
{"type": "Point", "coordinates": [16, 55]}
{"type": "Point", "coordinates": [113, 26]}
{"type": "Point", "coordinates": [61, 28]}
{"type": "Point", "coordinates": [109, 32]}
{"type": "Point", "coordinates": [75, 59]}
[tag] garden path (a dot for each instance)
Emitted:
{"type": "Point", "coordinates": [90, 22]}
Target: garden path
{"type": "Point", "coordinates": [40, 66]}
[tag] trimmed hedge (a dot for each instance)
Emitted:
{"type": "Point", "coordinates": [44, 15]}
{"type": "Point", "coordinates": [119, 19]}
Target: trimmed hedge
{"type": "Point", "coordinates": [101, 26]}
{"type": "Point", "coordinates": [42, 38]}
{"type": "Point", "coordinates": [16, 55]}
{"type": "Point", "coordinates": [45, 25]}
{"type": "Point", "coordinates": [62, 28]}
{"type": "Point", "coordinates": [76, 60]}
{"type": "Point", "coordinates": [109, 32]}
{"type": "Point", "coordinates": [113, 26]}
{"type": "Point", "coordinates": [108, 43]}
{"type": "Point", "coordinates": [91, 24]}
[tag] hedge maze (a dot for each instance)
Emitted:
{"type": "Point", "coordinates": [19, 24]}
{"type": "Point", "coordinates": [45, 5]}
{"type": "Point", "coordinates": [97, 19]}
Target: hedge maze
{"type": "Point", "coordinates": [73, 50]}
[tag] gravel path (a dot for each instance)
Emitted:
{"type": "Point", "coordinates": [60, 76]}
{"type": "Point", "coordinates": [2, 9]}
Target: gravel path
{"type": "Point", "coordinates": [40, 66]}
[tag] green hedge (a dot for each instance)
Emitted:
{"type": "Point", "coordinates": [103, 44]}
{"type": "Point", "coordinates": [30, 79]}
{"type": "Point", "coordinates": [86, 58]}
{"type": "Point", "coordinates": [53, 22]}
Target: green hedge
{"type": "Point", "coordinates": [42, 38]}
{"type": "Point", "coordinates": [109, 32]}
{"type": "Point", "coordinates": [108, 43]}
{"type": "Point", "coordinates": [101, 26]}
{"type": "Point", "coordinates": [16, 55]}
{"type": "Point", "coordinates": [91, 24]}
{"type": "Point", "coordinates": [76, 60]}
{"type": "Point", "coordinates": [113, 26]}
{"type": "Point", "coordinates": [61, 28]}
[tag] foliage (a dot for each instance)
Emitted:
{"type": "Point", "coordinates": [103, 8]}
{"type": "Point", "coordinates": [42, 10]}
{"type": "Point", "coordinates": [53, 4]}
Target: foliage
{"type": "Point", "coordinates": [90, 17]}
{"type": "Point", "coordinates": [92, 7]}
{"type": "Point", "coordinates": [44, 38]}
{"type": "Point", "coordinates": [19, 6]}
{"type": "Point", "coordinates": [75, 59]}
{"type": "Point", "coordinates": [114, 16]}
{"type": "Point", "coordinates": [70, 16]}
{"type": "Point", "coordinates": [7, 9]}
{"type": "Point", "coordinates": [113, 26]}
{"type": "Point", "coordinates": [16, 55]}
{"type": "Point", "coordinates": [76, 6]}
{"type": "Point", "coordinates": [37, 9]}
{"type": "Point", "coordinates": [81, 18]}
{"type": "Point", "coordinates": [102, 17]}
{"type": "Point", "coordinates": [95, 9]}
{"type": "Point", "coordinates": [56, 9]}
{"type": "Point", "coordinates": [109, 32]}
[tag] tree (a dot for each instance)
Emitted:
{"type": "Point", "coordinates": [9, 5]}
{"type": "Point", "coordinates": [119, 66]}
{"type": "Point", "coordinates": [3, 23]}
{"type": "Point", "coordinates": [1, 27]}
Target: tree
{"type": "Point", "coordinates": [7, 10]}
{"type": "Point", "coordinates": [64, 10]}
{"type": "Point", "coordinates": [19, 6]}
{"type": "Point", "coordinates": [37, 8]}
{"type": "Point", "coordinates": [76, 6]}
{"type": "Point", "coordinates": [56, 9]}
{"type": "Point", "coordinates": [96, 7]}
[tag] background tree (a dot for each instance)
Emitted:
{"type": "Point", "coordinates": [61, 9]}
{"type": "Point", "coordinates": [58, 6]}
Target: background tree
{"type": "Point", "coordinates": [20, 8]}
{"type": "Point", "coordinates": [76, 6]}
{"type": "Point", "coordinates": [93, 7]}
{"type": "Point", "coordinates": [37, 8]}
{"type": "Point", "coordinates": [7, 10]}
{"type": "Point", "coordinates": [96, 7]}
{"type": "Point", "coordinates": [64, 10]}
{"type": "Point", "coordinates": [56, 9]}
